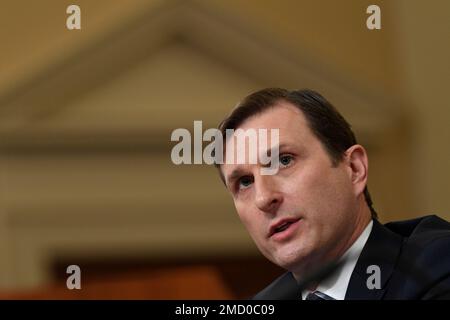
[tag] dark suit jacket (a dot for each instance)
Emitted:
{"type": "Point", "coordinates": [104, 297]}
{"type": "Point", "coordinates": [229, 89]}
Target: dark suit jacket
{"type": "Point", "coordinates": [414, 261]}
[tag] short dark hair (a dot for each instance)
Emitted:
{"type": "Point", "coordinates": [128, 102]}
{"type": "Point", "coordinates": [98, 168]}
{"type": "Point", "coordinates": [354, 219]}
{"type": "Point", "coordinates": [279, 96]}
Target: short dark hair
{"type": "Point", "coordinates": [325, 122]}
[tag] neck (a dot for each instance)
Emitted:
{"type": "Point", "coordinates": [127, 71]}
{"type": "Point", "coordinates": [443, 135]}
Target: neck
{"type": "Point", "coordinates": [363, 218]}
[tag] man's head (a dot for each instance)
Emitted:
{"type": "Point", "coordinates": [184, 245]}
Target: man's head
{"type": "Point", "coordinates": [317, 204]}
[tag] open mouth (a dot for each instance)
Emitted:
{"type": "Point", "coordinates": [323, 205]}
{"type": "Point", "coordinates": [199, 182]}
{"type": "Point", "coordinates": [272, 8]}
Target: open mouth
{"type": "Point", "coordinates": [282, 226]}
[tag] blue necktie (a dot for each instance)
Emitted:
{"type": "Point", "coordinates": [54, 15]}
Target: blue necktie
{"type": "Point", "coordinates": [317, 295]}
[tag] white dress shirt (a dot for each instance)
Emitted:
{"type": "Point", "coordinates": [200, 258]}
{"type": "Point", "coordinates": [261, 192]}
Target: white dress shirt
{"type": "Point", "coordinates": [336, 284]}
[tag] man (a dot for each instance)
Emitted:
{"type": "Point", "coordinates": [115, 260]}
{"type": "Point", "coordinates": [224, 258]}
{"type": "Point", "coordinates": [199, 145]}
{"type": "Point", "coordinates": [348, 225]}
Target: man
{"type": "Point", "coordinates": [314, 217]}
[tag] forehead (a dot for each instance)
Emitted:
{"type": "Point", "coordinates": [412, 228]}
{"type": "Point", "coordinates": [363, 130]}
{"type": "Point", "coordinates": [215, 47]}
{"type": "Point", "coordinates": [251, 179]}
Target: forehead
{"type": "Point", "coordinates": [294, 132]}
{"type": "Point", "coordinates": [287, 118]}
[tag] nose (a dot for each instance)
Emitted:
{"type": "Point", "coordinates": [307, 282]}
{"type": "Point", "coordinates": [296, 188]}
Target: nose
{"type": "Point", "coordinates": [267, 196]}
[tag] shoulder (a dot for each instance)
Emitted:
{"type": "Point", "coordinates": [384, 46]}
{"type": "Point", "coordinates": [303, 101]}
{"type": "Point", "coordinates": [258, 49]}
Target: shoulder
{"type": "Point", "coordinates": [427, 225]}
{"type": "Point", "coordinates": [425, 260]}
{"type": "Point", "coordinates": [428, 232]}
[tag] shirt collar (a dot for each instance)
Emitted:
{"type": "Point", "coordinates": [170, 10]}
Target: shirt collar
{"type": "Point", "coordinates": [336, 284]}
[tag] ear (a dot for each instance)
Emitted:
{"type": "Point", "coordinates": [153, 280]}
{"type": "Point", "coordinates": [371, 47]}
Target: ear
{"type": "Point", "coordinates": [358, 165]}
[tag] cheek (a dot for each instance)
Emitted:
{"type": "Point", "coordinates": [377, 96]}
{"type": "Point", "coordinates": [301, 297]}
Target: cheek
{"type": "Point", "coordinates": [248, 218]}
{"type": "Point", "coordinates": [318, 192]}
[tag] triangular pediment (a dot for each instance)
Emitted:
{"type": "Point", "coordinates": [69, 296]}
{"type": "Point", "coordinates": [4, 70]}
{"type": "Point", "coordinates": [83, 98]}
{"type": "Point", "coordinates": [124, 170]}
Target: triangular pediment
{"type": "Point", "coordinates": [171, 65]}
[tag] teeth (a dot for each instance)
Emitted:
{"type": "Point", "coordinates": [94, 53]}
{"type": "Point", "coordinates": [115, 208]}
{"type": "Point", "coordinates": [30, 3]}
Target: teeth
{"type": "Point", "coordinates": [283, 227]}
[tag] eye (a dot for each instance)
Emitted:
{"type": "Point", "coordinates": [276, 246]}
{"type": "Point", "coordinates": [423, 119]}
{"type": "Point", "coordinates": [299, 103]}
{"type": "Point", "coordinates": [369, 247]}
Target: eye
{"type": "Point", "coordinates": [285, 160]}
{"type": "Point", "coordinates": [244, 182]}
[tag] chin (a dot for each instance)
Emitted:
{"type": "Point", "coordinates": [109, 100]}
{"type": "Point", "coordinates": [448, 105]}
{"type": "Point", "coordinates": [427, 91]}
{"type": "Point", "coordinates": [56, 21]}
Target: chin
{"type": "Point", "coordinates": [291, 259]}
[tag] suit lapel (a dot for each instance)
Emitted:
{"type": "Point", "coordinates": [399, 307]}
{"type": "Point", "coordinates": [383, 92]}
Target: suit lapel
{"type": "Point", "coordinates": [381, 249]}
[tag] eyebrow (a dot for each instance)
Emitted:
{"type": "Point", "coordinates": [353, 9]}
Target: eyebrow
{"type": "Point", "coordinates": [280, 146]}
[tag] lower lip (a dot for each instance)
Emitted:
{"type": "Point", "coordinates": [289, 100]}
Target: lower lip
{"type": "Point", "coordinates": [287, 233]}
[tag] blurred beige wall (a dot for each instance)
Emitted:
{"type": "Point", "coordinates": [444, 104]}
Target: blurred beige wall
{"type": "Point", "coordinates": [86, 116]}
{"type": "Point", "coordinates": [423, 52]}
